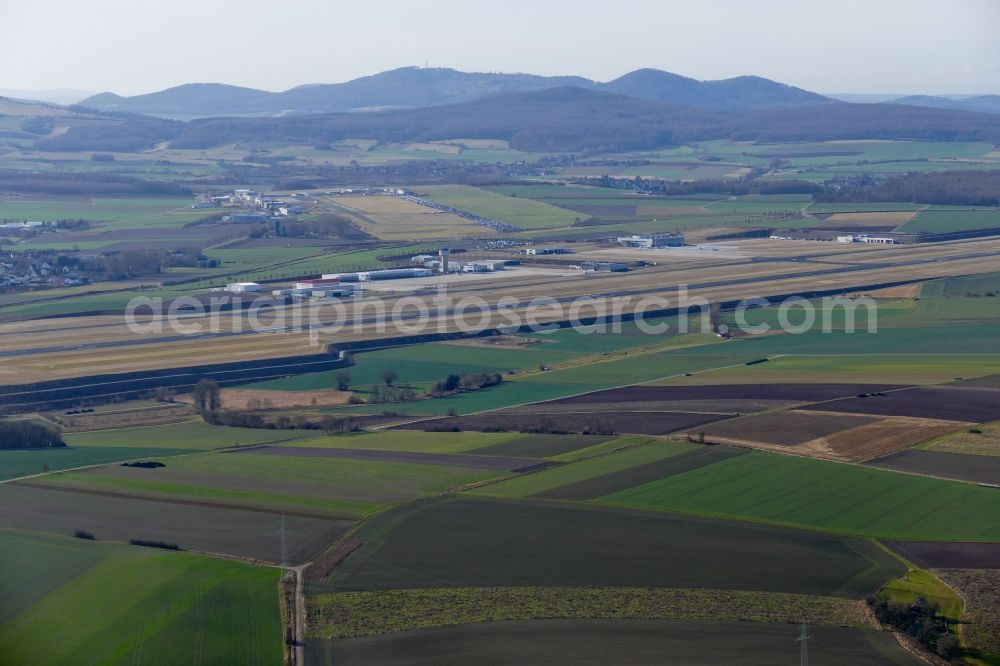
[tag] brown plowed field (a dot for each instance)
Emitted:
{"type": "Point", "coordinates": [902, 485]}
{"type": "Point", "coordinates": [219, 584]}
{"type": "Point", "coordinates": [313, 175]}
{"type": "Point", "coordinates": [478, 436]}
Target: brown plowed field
{"type": "Point", "coordinates": [976, 469]}
{"type": "Point", "coordinates": [947, 403]}
{"type": "Point", "coordinates": [722, 406]}
{"type": "Point", "coordinates": [628, 423]}
{"type": "Point", "coordinates": [829, 435]}
{"type": "Point", "coordinates": [786, 428]}
{"type": "Point", "coordinates": [888, 435]}
{"type": "Point", "coordinates": [253, 399]}
{"type": "Point", "coordinates": [793, 393]}
{"type": "Point", "coordinates": [949, 554]}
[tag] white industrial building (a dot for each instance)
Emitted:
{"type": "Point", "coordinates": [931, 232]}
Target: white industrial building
{"type": "Point", "coordinates": [243, 287]}
{"type": "Point", "coordinates": [484, 266]}
{"type": "Point", "coordinates": [385, 274]}
{"type": "Point", "coordinates": [652, 241]}
{"type": "Point", "coordinates": [872, 240]}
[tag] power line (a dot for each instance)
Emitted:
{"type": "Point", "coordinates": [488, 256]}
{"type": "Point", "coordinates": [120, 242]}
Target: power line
{"type": "Point", "coordinates": [284, 543]}
{"type": "Point", "coordinates": [803, 641]}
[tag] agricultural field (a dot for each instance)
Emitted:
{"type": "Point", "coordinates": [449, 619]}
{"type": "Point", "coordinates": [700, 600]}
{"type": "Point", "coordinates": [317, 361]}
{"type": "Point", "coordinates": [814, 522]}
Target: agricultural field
{"type": "Point", "coordinates": [985, 442]}
{"type": "Point", "coordinates": [785, 428]}
{"type": "Point", "coordinates": [504, 444]}
{"type": "Point", "coordinates": [949, 403]}
{"type": "Point", "coordinates": [421, 365]}
{"type": "Point", "coordinates": [644, 452]}
{"type": "Point", "coordinates": [631, 422]}
{"type": "Point", "coordinates": [111, 213]}
{"type": "Point", "coordinates": [128, 604]}
{"type": "Point", "coordinates": [357, 614]}
{"type": "Point", "coordinates": [27, 462]}
{"type": "Point", "coordinates": [573, 378]}
{"type": "Point", "coordinates": [460, 542]}
{"type": "Point", "coordinates": [828, 435]}
{"type": "Point", "coordinates": [828, 496]}
{"type": "Point", "coordinates": [938, 221]}
{"type": "Point", "coordinates": [193, 435]}
{"type": "Point", "coordinates": [979, 588]}
{"type": "Point", "coordinates": [611, 482]}
{"type": "Point", "coordinates": [395, 218]}
{"type": "Point", "coordinates": [106, 446]}
{"type": "Point", "coordinates": [463, 525]}
{"type": "Point", "coordinates": [338, 483]}
{"type": "Point", "coordinates": [597, 642]}
{"type": "Point", "coordinates": [199, 526]}
{"type": "Point", "coordinates": [960, 466]}
{"type": "Point", "coordinates": [949, 555]}
{"type": "Point", "coordinates": [612, 211]}
{"type": "Point", "coordinates": [519, 212]}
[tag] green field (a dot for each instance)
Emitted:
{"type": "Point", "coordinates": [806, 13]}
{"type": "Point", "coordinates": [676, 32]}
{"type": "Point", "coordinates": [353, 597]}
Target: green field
{"type": "Point", "coordinates": [422, 365]}
{"type": "Point", "coordinates": [609, 372]}
{"type": "Point", "coordinates": [493, 443]}
{"type": "Point", "coordinates": [940, 221]}
{"type": "Point", "coordinates": [523, 213]}
{"type": "Point", "coordinates": [25, 462]}
{"type": "Point", "coordinates": [70, 601]}
{"type": "Point", "coordinates": [466, 542]}
{"type": "Point", "coordinates": [360, 480]}
{"type": "Point", "coordinates": [410, 440]}
{"type": "Point", "coordinates": [113, 213]}
{"type": "Point", "coordinates": [532, 484]}
{"type": "Point", "coordinates": [827, 496]}
{"type": "Point", "coordinates": [190, 435]}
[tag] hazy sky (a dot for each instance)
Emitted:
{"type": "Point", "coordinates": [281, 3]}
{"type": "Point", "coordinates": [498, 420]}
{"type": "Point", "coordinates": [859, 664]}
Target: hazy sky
{"type": "Point", "coordinates": [136, 46]}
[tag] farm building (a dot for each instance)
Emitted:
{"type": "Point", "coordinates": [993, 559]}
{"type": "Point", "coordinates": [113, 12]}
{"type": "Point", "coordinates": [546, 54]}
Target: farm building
{"type": "Point", "coordinates": [652, 241]}
{"type": "Point", "coordinates": [603, 267]}
{"type": "Point", "coordinates": [243, 287]}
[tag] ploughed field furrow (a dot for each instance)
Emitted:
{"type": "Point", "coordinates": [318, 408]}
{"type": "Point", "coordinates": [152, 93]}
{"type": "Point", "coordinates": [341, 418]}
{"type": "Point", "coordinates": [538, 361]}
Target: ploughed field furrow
{"type": "Point", "coordinates": [499, 463]}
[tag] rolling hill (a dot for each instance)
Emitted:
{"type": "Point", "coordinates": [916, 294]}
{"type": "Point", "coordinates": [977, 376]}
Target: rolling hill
{"type": "Point", "coordinates": [567, 119]}
{"type": "Point", "coordinates": [978, 103]}
{"type": "Point", "coordinates": [572, 119]}
{"type": "Point", "coordinates": [413, 87]}
{"type": "Point", "coordinates": [742, 93]}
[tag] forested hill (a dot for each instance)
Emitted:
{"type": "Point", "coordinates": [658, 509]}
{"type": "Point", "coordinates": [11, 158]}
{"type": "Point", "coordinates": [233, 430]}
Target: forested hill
{"type": "Point", "coordinates": [567, 119]}
{"type": "Point", "coordinates": [577, 120]}
{"type": "Point", "coordinates": [562, 119]}
{"type": "Point", "coordinates": [413, 87]}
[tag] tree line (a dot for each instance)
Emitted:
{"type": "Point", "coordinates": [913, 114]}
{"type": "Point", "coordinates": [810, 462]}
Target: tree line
{"type": "Point", "coordinates": [28, 435]}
